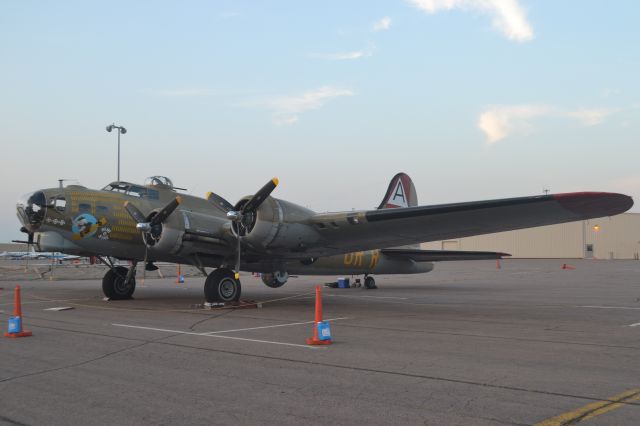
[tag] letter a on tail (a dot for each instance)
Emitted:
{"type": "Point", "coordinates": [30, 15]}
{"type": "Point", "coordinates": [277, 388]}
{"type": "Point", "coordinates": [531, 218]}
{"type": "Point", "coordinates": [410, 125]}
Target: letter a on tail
{"type": "Point", "coordinates": [400, 193]}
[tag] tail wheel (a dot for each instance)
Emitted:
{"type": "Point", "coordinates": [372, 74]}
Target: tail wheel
{"type": "Point", "coordinates": [114, 284]}
{"type": "Point", "coordinates": [221, 286]}
{"type": "Point", "coordinates": [275, 279]}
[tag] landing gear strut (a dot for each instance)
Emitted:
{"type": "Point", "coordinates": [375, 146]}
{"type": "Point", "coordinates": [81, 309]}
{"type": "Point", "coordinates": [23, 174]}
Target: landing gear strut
{"type": "Point", "coordinates": [221, 287]}
{"type": "Point", "coordinates": [119, 283]}
{"type": "Point", "coordinates": [369, 282]}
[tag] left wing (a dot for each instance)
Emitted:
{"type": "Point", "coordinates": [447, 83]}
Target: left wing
{"type": "Point", "coordinates": [366, 230]}
{"type": "Point", "coordinates": [418, 255]}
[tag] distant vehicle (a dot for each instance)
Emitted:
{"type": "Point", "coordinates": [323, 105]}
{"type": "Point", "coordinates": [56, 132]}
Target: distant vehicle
{"type": "Point", "coordinates": [15, 255]}
{"type": "Point", "coordinates": [50, 255]}
{"type": "Point", "coordinates": [276, 238]}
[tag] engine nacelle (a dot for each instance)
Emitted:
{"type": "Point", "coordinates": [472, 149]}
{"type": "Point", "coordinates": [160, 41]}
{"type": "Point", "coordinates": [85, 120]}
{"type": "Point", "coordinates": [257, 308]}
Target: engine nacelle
{"type": "Point", "coordinates": [281, 225]}
{"type": "Point", "coordinates": [187, 232]}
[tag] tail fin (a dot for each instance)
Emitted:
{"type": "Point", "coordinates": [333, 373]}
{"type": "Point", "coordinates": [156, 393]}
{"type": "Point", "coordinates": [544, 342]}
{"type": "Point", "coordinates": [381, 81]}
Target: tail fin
{"type": "Point", "coordinates": [401, 193]}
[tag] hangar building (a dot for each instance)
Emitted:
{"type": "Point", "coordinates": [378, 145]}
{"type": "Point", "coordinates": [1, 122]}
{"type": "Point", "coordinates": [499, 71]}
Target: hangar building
{"type": "Point", "coordinates": [616, 237]}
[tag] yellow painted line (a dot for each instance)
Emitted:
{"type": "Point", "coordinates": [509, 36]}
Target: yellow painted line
{"type": "Point", "coordinates": [592, 410]}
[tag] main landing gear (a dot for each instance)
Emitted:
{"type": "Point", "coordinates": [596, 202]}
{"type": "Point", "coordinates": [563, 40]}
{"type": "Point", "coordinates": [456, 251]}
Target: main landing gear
{"type": "Point", "coordinates": [119, 282]}
{"type": "Point", "coordinates": [221, 286]}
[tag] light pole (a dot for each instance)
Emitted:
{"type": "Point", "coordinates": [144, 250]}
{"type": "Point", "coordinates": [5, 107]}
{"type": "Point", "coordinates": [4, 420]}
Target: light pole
{"type": "Point", "coordinates": [122, 130]}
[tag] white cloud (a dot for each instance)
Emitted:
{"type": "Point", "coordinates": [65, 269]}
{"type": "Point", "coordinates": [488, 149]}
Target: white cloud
{"type": "Point", "coordinates": [501, 121]}
{"type": "Point", "coordinates": [590, 117]}
{"type": "Point", "coordinates": [498, 122]}
{"type": "Point", "coordinates": [344, 56]}
{"type": "Point", "coordinates": [286, 110]}
{"type": "Point", "coordinates": [383, 24]}
{"type": "Point", "coordinates": [507, 16]}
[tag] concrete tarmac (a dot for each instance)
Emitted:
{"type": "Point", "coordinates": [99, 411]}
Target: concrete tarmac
{"type": "Point", "coordinates": [466, 344]}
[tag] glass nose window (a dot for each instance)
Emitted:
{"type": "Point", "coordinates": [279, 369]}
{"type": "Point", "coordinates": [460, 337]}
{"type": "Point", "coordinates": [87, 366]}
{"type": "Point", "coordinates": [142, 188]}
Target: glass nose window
{"type": "Point", "coordinates": [31, 209]}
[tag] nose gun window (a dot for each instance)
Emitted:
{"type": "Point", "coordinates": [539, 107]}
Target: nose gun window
{"type": "Point", "coordinates": [32, 209]}
{"type": "Point", "coordinates": [60, 204]}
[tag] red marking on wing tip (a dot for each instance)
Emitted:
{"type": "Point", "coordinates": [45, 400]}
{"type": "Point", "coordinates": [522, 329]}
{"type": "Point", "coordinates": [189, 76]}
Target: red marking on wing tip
{"type": "Point", "coordinates": [560, 196]}
{"type": "Point", "coordinates": [594, 204]}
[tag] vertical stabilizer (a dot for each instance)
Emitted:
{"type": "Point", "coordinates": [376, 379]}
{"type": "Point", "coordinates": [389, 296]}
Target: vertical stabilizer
{"type": "Point", "coordinates": [400, 193]}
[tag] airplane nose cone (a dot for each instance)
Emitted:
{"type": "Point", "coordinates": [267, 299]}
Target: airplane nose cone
{"type": "Point", "coordinates": [31, 210]}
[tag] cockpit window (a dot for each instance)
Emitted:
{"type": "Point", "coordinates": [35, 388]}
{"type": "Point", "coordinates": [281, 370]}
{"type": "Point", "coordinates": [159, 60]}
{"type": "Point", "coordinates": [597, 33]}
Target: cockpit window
{"type": "Point", "coordinates": [59, 203]}
{"type": "Point", "coordinates": [136, 191]}
{"type": "Point", "coordinates": [132, 190]}
{"type": "Point", "coordinates": [116, 187]}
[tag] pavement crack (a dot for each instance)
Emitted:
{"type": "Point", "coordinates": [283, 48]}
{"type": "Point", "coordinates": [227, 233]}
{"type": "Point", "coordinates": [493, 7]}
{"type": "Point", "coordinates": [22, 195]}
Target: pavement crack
{"type": "Point", "coordinates": [402, 374]}
{"type": "Point", "coordinates": [12, 422]}
{"type": "Point", "coordinates": [79, 364]}
{"type": "Point", "coordinates": [191, 328]}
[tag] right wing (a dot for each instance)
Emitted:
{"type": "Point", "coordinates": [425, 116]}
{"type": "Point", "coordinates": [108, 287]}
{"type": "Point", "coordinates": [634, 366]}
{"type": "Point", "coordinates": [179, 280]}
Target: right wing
{"type": "Point", "coordinates": [365, 230]}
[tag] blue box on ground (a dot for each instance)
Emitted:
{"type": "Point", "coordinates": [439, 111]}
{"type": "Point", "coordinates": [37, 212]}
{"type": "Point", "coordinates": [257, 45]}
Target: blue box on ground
{"type": "Point", "coordinates": [343, 282]}
{"type": "Point", "coordinates": [15, 324]}
{"type": "Point", "coordinates": [324, 332]}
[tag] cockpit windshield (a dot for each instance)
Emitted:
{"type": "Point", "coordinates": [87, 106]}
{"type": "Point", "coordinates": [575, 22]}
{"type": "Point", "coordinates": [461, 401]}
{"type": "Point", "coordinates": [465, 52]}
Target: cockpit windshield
{"type": "Point", "coordinates": [32, 209]}
{"type": "Point", "coordinates": [132, 190]}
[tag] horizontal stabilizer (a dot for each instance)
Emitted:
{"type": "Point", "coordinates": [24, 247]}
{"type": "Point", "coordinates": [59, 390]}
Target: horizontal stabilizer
{"type": "Point", "coordinates": [441, 255]}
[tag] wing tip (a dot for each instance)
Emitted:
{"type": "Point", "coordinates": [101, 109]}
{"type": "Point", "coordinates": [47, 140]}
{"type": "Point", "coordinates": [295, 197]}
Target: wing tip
{"type": "Point", "coordinates": [595, 204]}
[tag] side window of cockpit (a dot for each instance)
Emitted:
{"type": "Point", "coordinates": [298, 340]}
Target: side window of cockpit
{"type": "Point", "coordinates": [152, 194]}
{"type": "Point", "coordinates": [102, 211]}
{"type": "Point", "coordinates": [84, 207]}
{"type": "Point", "coordinates": [135, 191]}
{"type": "Point", "coordinates": [59, 203]}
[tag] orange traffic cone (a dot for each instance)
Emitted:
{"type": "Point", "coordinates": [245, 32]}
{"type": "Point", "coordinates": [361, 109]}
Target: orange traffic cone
{"type": "Point", "coordinates": [15, 322]}
{"type": "Point", "coordinates": [179, 276]}
{"type": "Point", "coordinates": [321, 331]}
{"type": "Point", "coordinates": [498, 264]}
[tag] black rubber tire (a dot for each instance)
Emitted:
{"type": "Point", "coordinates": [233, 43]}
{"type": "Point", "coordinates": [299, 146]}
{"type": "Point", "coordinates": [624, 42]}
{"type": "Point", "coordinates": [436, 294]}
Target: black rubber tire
{"type": "Point", "coordinates": [221, 287]}
{"type": "Point", "coordinates": [270, 281]}
{"type": "Point", "coordinates": [369, 283]}
{"type": "Point", "coordinates": [113, 285]}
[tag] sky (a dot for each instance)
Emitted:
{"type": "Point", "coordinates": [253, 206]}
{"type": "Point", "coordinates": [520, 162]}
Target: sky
{"type": "Point", "coordinates": [474, 99]}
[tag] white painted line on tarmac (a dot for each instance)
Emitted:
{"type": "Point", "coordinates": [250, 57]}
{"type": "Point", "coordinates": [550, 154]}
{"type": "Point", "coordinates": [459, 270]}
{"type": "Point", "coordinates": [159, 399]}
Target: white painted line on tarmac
{"type": "Point", "coordinates": [271, 326]}
{"type": "Point", "coordinates": [215, 335]}
{"type": "Point", "coordinates": [371, 297]}
{"type": "Point", "coordinates": [32, 302]}
{"type": "Point", "coordinates": [610, 307]}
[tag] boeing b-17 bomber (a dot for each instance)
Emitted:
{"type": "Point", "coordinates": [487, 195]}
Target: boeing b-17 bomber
{"type": "Point", "coordinates": [260, 233]}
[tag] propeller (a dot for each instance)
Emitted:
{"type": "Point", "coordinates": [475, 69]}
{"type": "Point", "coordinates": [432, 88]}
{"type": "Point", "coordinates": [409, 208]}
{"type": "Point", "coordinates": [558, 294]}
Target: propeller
{"type": "Point", "coordinates": [151, 225]}
{"type": "Point", "coordinates": [219, 202]}
{"type": "Point", "coordinates": [244, 213]}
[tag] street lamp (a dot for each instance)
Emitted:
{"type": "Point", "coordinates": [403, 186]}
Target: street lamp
{"type": "Point", "coordinates": [122, 130]}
